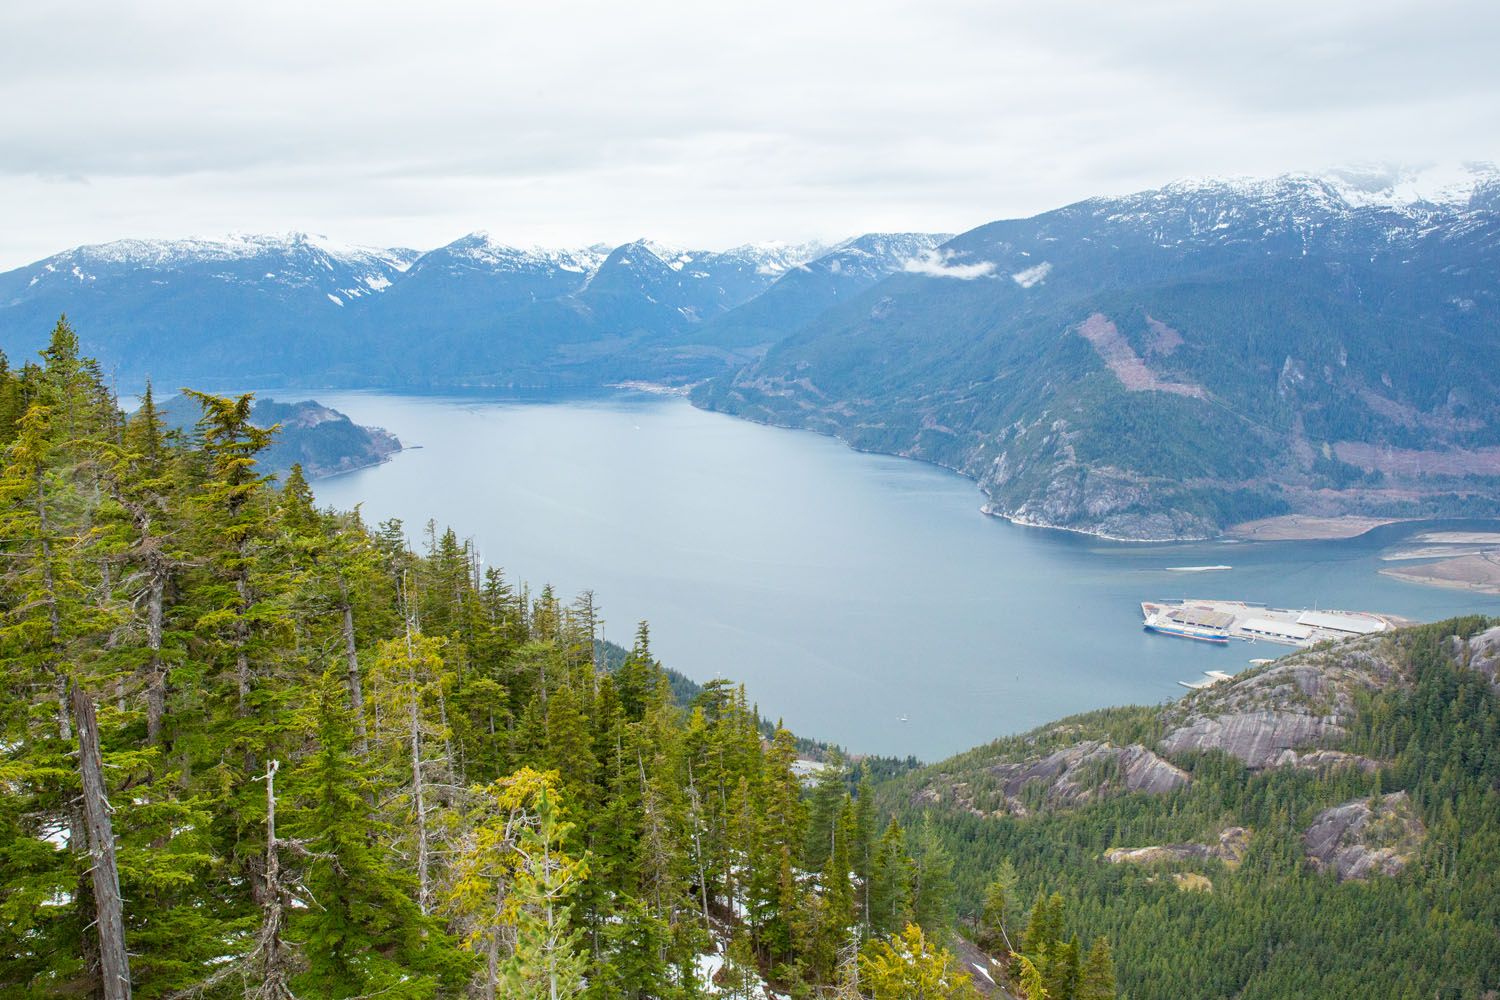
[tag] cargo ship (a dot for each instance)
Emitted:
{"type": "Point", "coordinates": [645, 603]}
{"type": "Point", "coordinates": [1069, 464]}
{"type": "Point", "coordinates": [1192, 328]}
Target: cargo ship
{"type": "Point", "coordinates": [1188, 622]}
{"type": "Point", "coordinates": [1219, 621]}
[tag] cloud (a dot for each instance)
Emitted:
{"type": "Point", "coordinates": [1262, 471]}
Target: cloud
{"type": "Point", "coordinates": [1032, 275]}
{"type": "Point", "coordinates": [939, 264]}
{"type": "Point", "coordinates": [410, 125]}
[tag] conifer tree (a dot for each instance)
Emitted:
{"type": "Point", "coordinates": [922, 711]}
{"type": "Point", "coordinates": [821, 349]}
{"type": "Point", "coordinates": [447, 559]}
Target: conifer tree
{"type": "Point", "coordinates": [362, 932]}
{"type": "Point", "coordinates": [994, 921]}
{"type": "Point", "coordinates": [1096, 981]}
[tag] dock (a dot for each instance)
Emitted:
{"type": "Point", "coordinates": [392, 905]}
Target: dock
{"type": "Point", "coordinates": [1210, 678]}
{"type": "Point", "coordinates": [1220, 621]}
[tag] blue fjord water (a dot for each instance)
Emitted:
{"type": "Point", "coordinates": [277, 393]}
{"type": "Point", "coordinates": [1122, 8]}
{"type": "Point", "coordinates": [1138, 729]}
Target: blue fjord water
{"type": "Point", "coordinates": [862, 598]}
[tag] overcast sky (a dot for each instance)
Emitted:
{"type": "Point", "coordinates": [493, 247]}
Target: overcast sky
{"type": "Point", "coordinates": [704, 124]}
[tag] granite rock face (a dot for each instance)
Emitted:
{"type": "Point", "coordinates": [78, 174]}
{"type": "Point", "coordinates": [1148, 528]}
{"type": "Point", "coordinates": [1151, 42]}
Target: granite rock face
{"type": "Point", "coordinates": [1326, 761]}
{"type": "Point", "coordinates": [1484, 654]}
{"type": "Point", "coordinates": [1257, 738]}
{"type": "Point", "coordinates": [1233, 842]}
{"type": "Point", "coordinates": [1087, 770]}
{"type": "Point", "coordinates": [1303, 703]}
{"type": "Point", "coordinates": [1365, 837]}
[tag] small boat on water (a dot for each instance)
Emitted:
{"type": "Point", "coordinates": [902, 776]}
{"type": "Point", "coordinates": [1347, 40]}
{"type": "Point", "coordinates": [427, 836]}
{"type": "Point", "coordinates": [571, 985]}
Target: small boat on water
{"type": "Point", "coordinates": [1198, 569]}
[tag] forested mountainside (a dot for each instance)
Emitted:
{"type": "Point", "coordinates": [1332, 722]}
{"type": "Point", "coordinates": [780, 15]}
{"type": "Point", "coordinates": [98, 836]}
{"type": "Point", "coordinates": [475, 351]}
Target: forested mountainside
{"type": "Point", "coordinates": [807, 291]}
{"type": "Point", "coordinates": [300, 310]}
{"type": "Point", "coordinates": [1325, 826]}
{"type": "Point", "coordinates": [1166, 364]}
{"type": "Point", "coordinates": [253, 748]}
{"type": "Point", "coordinates": [322, 441]}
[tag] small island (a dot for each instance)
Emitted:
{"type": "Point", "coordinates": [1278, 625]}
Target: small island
{"type": "Point", "coordinates": [322, 440]}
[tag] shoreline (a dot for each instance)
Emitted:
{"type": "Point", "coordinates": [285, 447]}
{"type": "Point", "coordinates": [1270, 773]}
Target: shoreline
{"type": "Point", "coordinates": [1474, 572]}
{"type": "Point", "coordinates": [1443, 582]}
{"type": "Point", "coordinates": [989, 510]}
{"type": "Point", "coordinates": [1309, 527]}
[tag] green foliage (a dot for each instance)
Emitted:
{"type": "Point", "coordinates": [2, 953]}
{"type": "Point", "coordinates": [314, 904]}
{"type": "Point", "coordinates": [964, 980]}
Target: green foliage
{"type": "Point", "coordinates": [1270, 926]}
{"type": "Point", "coordinates": [906, 966]}
{"type": "Point", "coordinates": [472, 795]}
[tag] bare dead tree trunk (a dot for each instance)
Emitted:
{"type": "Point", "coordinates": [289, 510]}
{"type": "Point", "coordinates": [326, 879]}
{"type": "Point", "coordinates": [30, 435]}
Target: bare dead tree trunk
{"type": "Point", "coordinates": [417, 790]}
{"type": "Point", "coordinates": [156, 674]}
{"type": "Point", "coordinates": [60, 681]}
{"type": "Point", "coordinates": [114, 962]}
{"type": "Point", "coordinates": [351, 660]}
{"type": "Point", "coordinates": [419, 798]}
{"type": "Point", "coordinates": [696, 816]}
{"type": "Point", "coordinates": [277, 958]}
{"type": "Point", "coordinates": [241, 640]}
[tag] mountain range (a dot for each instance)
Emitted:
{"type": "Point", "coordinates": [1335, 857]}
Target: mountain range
{"type": "Point", "coordinates": [1166, 364]}
{"type": "Point", "coordinates": [300, 309]}
{"type": "Point", "coordinates": [1153, 366]}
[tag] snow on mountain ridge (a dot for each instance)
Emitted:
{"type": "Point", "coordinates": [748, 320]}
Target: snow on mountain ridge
{"type": "Point", "coordinates": [1394, 188]}
{"type": "Point", "coordinates": [482, 249]}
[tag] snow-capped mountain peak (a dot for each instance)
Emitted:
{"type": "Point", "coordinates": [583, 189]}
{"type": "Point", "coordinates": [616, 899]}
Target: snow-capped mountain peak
{"type": "Point", "coordinates": [1444, 185]}
{"type": "Point", "coordinates": [480, 249]}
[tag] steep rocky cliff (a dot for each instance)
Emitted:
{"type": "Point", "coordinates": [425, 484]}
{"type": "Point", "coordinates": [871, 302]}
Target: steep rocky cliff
{"type": "Point", "coordinates": [1304, 702]}
{"type": "Point", "coordinates": [1365, 837]}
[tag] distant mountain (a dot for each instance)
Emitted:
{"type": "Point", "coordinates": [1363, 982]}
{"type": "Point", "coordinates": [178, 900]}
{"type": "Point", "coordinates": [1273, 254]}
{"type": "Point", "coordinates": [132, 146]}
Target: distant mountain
{"type": "Point", "coordinates": [1165, 364]}
{"type": "Point", "coordinates": [302, 310]}
{"type": "Point", "coordinates": [808, 290]}
{"type": "Point", "coordinates": [249, 308]}
{"type": "Point", "coordinates": [323, 441]}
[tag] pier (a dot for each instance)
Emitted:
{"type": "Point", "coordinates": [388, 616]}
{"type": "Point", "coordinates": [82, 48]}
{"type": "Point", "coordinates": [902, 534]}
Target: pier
{"type": "Point", "coordinates": [1220, 621]}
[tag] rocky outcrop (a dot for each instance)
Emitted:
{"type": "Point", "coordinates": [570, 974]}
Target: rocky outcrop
{"type": "Point", "coordinates": [1257, 738]}
{"type": "Point", "coordinates": [1233, 842]}
{"type": "Point", "coordinates": [1266, 718]}
{"type": "Point", "coordinates": [1365, 837]}
{"type": "Point", "coordinates": [1483, 654]}
{"type": "Point", "coordinates": [1326, 761]}
{"type": "Point", "coordinates": [1088, 770]}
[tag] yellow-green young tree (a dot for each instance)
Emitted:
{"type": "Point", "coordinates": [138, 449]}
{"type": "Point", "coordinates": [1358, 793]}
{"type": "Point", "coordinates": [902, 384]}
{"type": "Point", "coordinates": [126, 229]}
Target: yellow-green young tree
{"type": "Point", "coordinates": [906, 966]}
{"type": "Point", "coordinates": [513, 889]}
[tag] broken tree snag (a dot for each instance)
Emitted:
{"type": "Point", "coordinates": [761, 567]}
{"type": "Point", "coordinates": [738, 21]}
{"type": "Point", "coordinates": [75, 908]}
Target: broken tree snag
{"type": "Point", "coordinates": [114, 963]}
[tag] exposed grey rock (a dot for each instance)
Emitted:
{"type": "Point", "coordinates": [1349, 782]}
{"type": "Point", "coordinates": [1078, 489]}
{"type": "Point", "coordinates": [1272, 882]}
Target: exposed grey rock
{"type": "Point", "coordinates": [1304, 702]}
{"type": "Point", "coordinates": [1484, 654]}
{"type": "Point", "coordinates": [1365, 837]}
{"type": "Point", "coordinates": [1090, 769]}
{"type": "Point", "coordinates": [1257, 738]}
{"type": "Point", "coordinates": [1323, 761]}
{"type": "Point", "coordinates": [1233, 842]}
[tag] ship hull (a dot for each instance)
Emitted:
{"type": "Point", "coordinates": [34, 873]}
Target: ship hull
{"type": "Point", "coordinates": [1218, 640]}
